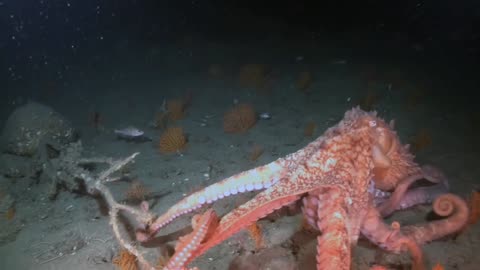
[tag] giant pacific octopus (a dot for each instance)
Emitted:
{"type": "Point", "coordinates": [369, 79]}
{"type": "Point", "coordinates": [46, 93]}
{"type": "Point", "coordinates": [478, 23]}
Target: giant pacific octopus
{"type": "Point", "coordinates": [339, 180]}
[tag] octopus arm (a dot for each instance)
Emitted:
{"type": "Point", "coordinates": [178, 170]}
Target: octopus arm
{"type": "Point", "coordinates": [260, 206]}
{"type": "Point", "coordinates": [240, 218]}
{"type": "Point", "coordinates": [398, 194]}
{"type": "Point", "coordinates": [402, 198]}
{"type": "Point", "coordinates": [255, 179]}
{"type": "Point", "coordinates": [456, 211]}
{"type": "Point", "coordinates": [421, 195]}
{"type": "Point", "coordinates": [202, 226]}
{"type": "Point", "coordinates": [391, 238]}
{"type": "Point", "coordinates": [333, 245]}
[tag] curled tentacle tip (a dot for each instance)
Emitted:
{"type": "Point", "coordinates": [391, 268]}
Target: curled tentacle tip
{"type": "Point", "coordinates": [443, 205]}
{"type": "Point", "coordinates": [395, 225]}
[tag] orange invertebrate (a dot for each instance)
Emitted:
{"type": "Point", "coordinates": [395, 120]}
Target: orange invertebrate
{"type": "Point", "coordinates": [176, 109]}
{"type": "Point", "coordinates": [257, 235]}
{"type": "Point", "coordinates": [125, 260]}
{"type": "Point", "coordinates": [137, 192]}
{"type": "Point", "coordinates": [161, 120]}
{"type": "Point", "coordinates": [172, 140]}
{"type": "Point", "coordinates": [438, 267]}
{"type": "Point", "coordinates": [420, 141]}
{"type": "Point", "coordinates": [304, 81]}
{"type": "Point", "coordinates": [239, 119]}
{"type": "Point", "coordinates": [371, 98]}
{"type": "Point", "coordinates": [256, 152]}
{"type": "Point", "coordinates": [253, 76]}
{"type": "Point", "coordinates": [309, 129]}
{"type": "Point", "coordinates": [10, 214]}
{"type": "Point", "coordinates": [474, 205]}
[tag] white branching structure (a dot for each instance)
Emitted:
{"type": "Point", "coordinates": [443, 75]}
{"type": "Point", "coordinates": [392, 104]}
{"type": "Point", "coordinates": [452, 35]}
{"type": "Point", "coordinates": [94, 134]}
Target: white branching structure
{"type": "Point", "coordinates": [96, 185]}
{"type": "Point", "coordinates": [69, 166]}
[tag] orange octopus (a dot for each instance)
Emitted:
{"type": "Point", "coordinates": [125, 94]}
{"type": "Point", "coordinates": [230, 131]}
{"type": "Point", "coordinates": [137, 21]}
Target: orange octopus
{"type": "Point", "coordinates": [332, 179]}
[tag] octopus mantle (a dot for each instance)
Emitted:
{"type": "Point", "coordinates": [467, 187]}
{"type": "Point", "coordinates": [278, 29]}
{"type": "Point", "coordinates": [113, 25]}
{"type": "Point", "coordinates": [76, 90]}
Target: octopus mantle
{"type": "Point", "coordinates": [331, 178]}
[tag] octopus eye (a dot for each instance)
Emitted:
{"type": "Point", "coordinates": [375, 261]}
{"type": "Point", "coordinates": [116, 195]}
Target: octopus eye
{"type": "Point", "coordinates": [372, 123]}
{"type": "Point", "coordinates": [385, 140]}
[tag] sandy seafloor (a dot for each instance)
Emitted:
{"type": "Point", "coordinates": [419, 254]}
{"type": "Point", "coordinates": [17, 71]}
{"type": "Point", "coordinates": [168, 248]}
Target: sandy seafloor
{"type": "Point", "coordinates": [72, 233]}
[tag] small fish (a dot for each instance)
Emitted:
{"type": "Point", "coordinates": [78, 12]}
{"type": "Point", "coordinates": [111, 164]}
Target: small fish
{"type": "Point", "coordinates": [131, 134]}
{"type": "Point", "coordinates": [265, 116]}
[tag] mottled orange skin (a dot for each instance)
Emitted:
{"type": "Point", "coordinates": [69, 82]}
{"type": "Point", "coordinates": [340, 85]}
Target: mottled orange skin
{"type": "Point", "coordinates": [330, 177]}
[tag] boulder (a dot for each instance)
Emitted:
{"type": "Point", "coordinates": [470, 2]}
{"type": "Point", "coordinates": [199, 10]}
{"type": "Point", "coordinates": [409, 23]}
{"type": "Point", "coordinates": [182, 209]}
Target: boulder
{"type": "Point", "coordinates": [31, 125]}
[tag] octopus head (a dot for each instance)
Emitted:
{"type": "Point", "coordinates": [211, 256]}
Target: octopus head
{"type": "Point", "coordinates": [392, 161]}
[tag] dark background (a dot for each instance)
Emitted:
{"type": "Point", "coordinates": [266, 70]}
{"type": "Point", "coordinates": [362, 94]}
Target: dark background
{"type": "Point", "coordinates": [48, 38]}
